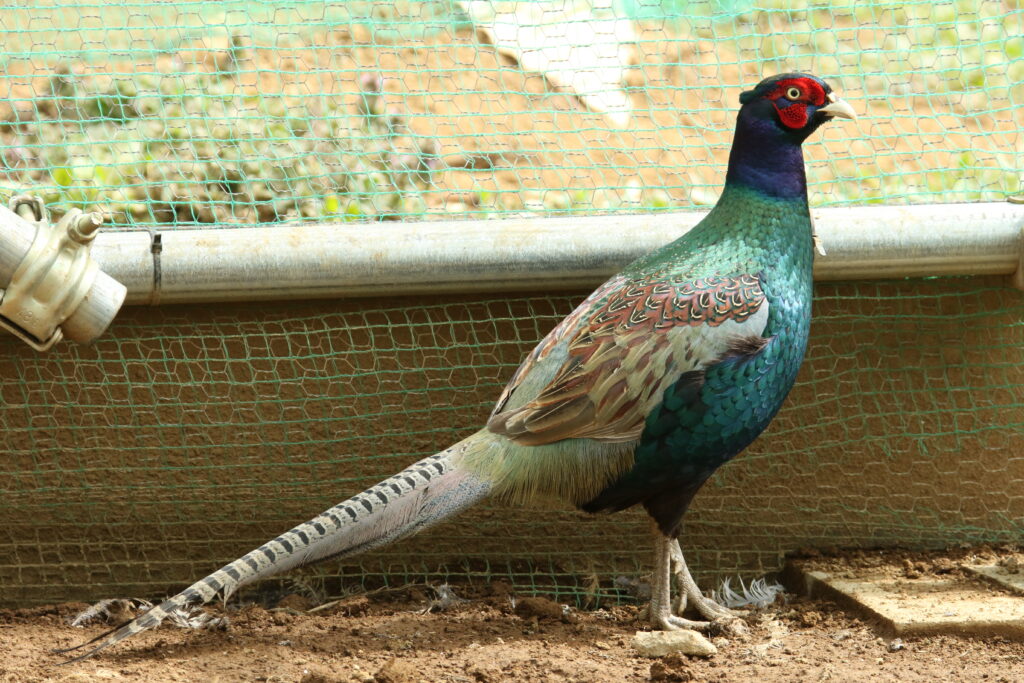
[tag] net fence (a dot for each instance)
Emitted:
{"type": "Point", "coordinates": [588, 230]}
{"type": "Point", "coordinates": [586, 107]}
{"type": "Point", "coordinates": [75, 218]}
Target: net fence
{"type": "Point", "coordinates": [188, 434]}
{"type": "Point", "coordinates": [255, 112]}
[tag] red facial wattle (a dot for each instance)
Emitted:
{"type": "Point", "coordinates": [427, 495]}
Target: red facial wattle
{"type": "Point", "coordinates": [793, 113]}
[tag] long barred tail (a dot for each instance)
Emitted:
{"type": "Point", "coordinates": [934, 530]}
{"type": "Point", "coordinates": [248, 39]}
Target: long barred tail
{"type": "Point", "coordinates": [426, 492]}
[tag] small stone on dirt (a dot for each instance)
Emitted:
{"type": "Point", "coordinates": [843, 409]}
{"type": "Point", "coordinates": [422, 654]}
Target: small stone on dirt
{"type": "Point", "coordinates": [484, 675]}
{"type": "Point", "coordinates": [321, 674]}
{"type": "Point", "coordinates": [397, 671]}
{"type": "Point", "coordinates": [671, 669]}
{"type": "Point", "coordinates": [1010, 564]}
{"type": "Point", "coordinates": [810, 618]}
{"type": "Point", "coordinates": [661, 643]}
{"type": "Point", "coordinates": [91, 677]}
{"type": "Point", "coordinates": [355, 606]}
{"type": "Point", "coordinates": [542, 608]}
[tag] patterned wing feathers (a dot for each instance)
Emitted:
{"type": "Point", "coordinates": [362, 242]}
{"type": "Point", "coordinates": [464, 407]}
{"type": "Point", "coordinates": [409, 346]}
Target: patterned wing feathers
{"type": "Point", "coordinates": [566, 328]}
{"type": "Point", "coordinates": [625, 348]}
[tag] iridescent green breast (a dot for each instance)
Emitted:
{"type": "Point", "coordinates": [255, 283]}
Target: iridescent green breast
{"type": "Point", "coordinates": [709, 416]}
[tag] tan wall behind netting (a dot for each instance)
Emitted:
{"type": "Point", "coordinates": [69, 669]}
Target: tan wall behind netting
{"type": "Point", "coordinates": [188, 435]}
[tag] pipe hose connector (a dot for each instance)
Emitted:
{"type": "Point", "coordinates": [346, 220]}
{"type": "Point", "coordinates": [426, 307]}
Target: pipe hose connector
{"type": "Point", "coordinates": [55, 289]}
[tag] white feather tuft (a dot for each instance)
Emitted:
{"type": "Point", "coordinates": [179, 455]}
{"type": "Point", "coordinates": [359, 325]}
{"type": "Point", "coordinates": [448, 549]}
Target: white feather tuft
{"type": "Point", "coordinates": [758, 594]}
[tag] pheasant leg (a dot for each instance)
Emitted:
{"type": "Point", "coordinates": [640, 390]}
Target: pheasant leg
{"type": "Point", "coordinates": [660, 610]}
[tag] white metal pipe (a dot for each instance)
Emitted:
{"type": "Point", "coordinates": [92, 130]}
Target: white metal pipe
{"type": "Point", "coordinates": [547, 254]}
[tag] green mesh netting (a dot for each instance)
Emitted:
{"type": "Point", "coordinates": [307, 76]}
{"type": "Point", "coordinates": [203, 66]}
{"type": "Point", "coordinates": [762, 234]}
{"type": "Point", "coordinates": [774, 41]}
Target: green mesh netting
{"type": "Point", "coordinates": [266, 111]}
{"type": "Point", "coordinates": [187, 435]}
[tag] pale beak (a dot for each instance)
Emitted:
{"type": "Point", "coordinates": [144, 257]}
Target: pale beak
{"type": "Point", "coordinates": [838, 107]}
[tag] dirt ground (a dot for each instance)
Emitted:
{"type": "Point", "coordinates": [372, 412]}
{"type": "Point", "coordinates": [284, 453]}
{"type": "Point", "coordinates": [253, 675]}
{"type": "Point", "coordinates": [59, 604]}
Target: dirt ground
{"type": "Point", "coordinates": [492, 635]}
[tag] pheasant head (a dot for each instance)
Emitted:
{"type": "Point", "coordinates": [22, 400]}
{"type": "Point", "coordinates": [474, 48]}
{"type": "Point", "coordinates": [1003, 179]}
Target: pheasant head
{"type": "Point", "coordinates": [776, 117]}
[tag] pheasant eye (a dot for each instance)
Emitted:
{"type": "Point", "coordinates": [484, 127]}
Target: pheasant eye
{"type": "Point", "coordinates": [793, 93]}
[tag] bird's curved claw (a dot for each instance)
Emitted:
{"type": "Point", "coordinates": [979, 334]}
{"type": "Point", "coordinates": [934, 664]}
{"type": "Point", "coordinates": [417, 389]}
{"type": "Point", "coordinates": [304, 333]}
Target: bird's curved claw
{"type": "Point", "coordinates": [711, 610]}
{"type": "Point", "coordinates": [721, 620]}
{"type": "Point", "coordinates": [670, 622]}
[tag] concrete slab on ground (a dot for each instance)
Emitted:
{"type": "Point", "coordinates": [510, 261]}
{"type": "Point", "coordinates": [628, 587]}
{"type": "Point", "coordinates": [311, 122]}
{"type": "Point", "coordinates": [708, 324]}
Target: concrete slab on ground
{"type": "Point", "coordinates": [927, 605]}
{"type": "Point", "coordinates": [1010, 578]}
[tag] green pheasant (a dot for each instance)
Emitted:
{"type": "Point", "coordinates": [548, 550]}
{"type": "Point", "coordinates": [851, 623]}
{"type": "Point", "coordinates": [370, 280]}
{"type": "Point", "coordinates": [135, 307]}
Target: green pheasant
{"type": "Point", "coordinates": [667, 371]}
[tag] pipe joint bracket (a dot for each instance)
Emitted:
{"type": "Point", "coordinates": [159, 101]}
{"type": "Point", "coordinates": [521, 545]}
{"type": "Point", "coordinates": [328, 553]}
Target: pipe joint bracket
{"type": "Point", "coordinates": [57, 289]}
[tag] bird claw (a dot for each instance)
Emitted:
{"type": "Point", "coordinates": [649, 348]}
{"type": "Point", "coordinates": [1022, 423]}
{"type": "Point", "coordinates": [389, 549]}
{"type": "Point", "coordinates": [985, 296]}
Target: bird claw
{"type": "Point", "coordinates": [670, 622]}
{"type": "Point", "coordinates": [111, 611]}
{"type": "Point", "coordinates": [721, 620]}
{"type": "Point", "coordinates": [713, 611]}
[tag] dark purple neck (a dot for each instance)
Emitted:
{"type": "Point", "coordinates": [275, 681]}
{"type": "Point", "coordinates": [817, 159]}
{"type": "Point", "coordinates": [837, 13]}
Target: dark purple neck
{"type": "Point", "coordinates": [766, 159]}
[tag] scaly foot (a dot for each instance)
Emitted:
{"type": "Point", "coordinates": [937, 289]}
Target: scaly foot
{"type": "Point", "coordinates": [659, 612]}
{"type": "Point", "coordinates": [670, 622]}
{"type": "Point", "coordinates": [721, 618]}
